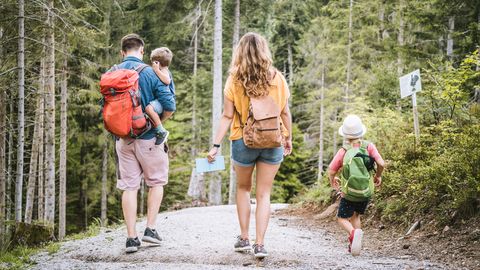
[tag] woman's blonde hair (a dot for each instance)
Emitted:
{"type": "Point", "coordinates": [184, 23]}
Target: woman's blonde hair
{"type": "Point", "coordinates": [252, 64]}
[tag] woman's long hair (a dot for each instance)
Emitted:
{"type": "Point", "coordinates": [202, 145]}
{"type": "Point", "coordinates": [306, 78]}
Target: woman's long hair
{"type": "Point", "coordinates": [252, 64]}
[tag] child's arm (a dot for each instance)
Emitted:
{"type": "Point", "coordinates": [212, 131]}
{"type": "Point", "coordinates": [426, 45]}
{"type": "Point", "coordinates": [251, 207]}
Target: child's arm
{"type": "Point", "coordinates": [162, 73]}
{"type": "Point", "coordinates": [378, 175]}
{"type": "Point", "coordinates": [333, 179]}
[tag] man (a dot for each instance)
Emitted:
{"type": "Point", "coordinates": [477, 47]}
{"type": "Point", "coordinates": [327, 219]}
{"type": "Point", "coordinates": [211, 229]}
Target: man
{"type": "Point", "coordinates": [143, 155]}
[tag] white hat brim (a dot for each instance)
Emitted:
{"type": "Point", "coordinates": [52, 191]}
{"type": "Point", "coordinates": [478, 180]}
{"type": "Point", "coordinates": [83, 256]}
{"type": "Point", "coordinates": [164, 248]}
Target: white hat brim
{"type": "Point", "coordinates": [340, 131]}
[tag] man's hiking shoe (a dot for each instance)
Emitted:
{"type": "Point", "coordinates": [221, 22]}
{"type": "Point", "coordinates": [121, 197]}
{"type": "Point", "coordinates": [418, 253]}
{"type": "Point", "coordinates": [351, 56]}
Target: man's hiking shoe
{"type": "Point", "coordinates": [151, 236]}
{"type": "Point", "coordinates": [355, 242]}
{"type": "Point", "coordinates": [132, 245]}
{"type": "Point", "coordinates": [259, 251]}
{"type": "Point", "coordinates": [161, 137]}
{"type": "Point", "coordinates": [242, 244]}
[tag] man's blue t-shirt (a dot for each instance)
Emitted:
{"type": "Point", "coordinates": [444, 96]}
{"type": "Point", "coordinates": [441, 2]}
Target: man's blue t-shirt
{"type": "Point", "coordinates": [151, 88]}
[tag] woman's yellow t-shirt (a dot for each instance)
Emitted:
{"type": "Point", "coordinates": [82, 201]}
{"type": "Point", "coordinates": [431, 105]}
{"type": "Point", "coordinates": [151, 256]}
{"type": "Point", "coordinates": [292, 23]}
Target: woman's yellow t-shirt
{"type": "Point", "coordinates": [235, 92]}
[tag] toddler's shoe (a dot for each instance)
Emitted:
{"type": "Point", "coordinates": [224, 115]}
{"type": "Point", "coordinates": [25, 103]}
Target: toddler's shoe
{"type": "Point", "coordinates": [355, 240]}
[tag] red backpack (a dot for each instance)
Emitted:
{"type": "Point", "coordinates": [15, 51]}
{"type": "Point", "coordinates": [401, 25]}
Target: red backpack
{"type": "Point", "coordinates": [122, 110]}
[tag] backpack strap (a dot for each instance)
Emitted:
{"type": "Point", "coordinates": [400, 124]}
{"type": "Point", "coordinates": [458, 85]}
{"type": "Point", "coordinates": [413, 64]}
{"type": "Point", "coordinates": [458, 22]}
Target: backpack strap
{"type": "Point", "coordinates": [140, 68]}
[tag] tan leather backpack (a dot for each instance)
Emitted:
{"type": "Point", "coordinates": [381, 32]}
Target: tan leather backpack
{"type": "Point", "coordinates": [263, 126]}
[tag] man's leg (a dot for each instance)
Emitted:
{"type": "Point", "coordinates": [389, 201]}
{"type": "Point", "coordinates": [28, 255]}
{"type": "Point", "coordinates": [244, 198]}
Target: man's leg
{"type": "Point", "coordinates": [129, 207]}
{"type": "Point", "coordinates": [155, 196]}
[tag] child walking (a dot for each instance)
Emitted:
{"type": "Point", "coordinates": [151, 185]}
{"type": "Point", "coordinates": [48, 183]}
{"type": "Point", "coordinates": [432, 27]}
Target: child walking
{"type": "Point", "coordinates": [161, 59]}
{"type": "Point", "coordinates": [355, 162]}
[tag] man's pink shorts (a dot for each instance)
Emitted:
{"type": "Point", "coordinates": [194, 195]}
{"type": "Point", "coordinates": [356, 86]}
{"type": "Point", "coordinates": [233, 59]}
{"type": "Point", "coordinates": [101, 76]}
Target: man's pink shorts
{"type": "Point", "coordinates": [141, 156]}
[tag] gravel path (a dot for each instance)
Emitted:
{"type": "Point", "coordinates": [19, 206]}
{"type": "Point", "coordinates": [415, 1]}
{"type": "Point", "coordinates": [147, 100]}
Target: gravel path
{"type": "Point", "coordinates": [202, 238]}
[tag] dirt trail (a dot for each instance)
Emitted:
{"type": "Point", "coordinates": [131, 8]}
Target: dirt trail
{"type": "Point", "coordinates": [202, 238]}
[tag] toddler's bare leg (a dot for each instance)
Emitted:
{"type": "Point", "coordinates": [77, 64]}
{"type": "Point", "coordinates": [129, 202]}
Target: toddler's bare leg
{"type": "Point", "coordinates": [345, 224]}
{"type": "Point", "coordinates": [355, 220]}
{"type": "Point", "coordinates": [153, 115]}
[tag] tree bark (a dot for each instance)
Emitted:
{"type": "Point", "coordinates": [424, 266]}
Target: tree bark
{"type": "Point", "coordinates": [103, 214]}
{"type": "Point", "coordinates": [8, 197]}
{"type": "Point", "coordinates": [320, 139]}
{"type": "Point", "coordinates": [290, 64]}
{"type": "Point", "coordinates": [3, 130]}
{"type": "Point", "coordinates": [400, 38]}
{"type": "Point", "coordinates": [349, 55]}
{"type": "Point", "coordinates": [63, 146]}
{"type": "Point", "coordinates": [232, 187]}
{"type": "Point", "coordinates": [451, 28]}
{"type": "Point", "coordinates": [215, 187]}
{"type": "Point", "coordinates": [50, 118]}
{"type": "Point", "coordinates": [41, 161]}
{"type": "Point", "coordinates": [32, 174]}
{"type": "Point", "coordinates": [21, 116]}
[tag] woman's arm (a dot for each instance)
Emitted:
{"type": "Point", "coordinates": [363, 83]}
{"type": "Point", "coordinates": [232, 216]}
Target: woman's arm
{"type": "Point", "coordinates": [287, 121]}
{"type": "Point", "coordinates": [162, 72]}
{"type": "Point", "coordinates": [225, 123]}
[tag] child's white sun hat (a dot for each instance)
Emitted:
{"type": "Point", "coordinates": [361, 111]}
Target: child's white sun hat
{"type": "Point", "coordinates": [352, 127]}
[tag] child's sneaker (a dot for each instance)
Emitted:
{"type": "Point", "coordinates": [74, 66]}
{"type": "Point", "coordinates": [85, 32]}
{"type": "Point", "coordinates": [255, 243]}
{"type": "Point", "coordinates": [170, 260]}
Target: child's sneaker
{"type": "Point", "coordinates": [259, 251]}
{"type": "Point", "coordinates": [355, 240]}
{"type": "Point", "coordinates": [161, 136]}
{"type": "Point", "coordinates": [242, 244]}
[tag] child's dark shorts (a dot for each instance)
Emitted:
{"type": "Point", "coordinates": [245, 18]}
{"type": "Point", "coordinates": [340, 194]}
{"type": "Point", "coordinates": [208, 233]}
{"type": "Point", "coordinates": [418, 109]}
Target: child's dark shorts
{"type": "Point", "coordinates": [347, 208]}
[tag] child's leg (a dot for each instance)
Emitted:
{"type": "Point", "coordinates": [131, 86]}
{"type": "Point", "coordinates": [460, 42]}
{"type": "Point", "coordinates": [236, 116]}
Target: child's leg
{"type": "Point", "coordinates": [346, 224]}
{"type": "Point", "coordinates": [355, 220]}
{"type": "Point", "coordinates": [153, 115]}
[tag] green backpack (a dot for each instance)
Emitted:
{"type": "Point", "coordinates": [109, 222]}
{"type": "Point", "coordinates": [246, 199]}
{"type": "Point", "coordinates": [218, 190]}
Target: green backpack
{"type": "Point", "coordinates": [356, 176]}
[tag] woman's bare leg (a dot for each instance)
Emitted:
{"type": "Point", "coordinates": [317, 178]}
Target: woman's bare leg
{"type": "Point", "coordinates": [244, 186]}
{"type": "Point", "coordinates": [265, 175]}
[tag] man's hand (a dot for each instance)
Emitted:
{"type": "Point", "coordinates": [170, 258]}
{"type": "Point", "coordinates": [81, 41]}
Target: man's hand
{"type": "Point", "coordinates": [377, 180]}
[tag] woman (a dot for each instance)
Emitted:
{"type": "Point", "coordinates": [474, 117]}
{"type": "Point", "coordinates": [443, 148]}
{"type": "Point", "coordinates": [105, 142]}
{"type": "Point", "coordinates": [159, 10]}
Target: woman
{"type": "Point", "coordinates": [253, 75]}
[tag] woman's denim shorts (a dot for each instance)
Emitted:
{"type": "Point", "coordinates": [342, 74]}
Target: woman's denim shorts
{"type": "Point", "coordinates": [247, 157]}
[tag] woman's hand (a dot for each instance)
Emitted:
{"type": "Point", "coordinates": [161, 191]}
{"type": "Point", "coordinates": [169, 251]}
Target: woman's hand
{"type": "Point", "coordinates": [211, 155]}
{"type": "Point", "coordinates": [287, 147]}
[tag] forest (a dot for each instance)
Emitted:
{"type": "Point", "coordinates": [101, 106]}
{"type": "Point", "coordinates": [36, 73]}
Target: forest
{"type": "Point", "coordinates": [57, 162]}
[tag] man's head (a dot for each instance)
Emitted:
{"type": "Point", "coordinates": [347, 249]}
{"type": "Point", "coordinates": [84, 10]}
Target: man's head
{"type": "Point", "coordinates": [162, 55]}
{"type": "Point", "coordinates": [132, 45]}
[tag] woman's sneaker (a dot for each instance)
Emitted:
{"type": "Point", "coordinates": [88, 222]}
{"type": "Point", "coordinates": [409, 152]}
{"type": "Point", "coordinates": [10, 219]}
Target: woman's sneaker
{"type": "Point", "coordinates": [242, 244]}
{"type": "Point", "coordinates": [259, 251]}
{"type": "Point", "coordinates": [355, 239]}
{"type": "Point", "coordinates": [151, 236]}
{"type": "Point", "coordinates": [132, 245]}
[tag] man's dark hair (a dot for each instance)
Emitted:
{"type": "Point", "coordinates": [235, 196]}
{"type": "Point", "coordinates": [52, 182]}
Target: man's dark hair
{"type": "Point", "coordinates": [132, 42]}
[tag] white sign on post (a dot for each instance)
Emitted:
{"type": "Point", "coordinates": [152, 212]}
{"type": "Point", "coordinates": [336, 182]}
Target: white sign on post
{"type": "Point", "coordinates": [410, 83]}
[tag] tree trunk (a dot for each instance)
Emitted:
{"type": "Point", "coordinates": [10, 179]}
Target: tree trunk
{"type": "Point", "coordinates": [3, 130]}
{"type": "Point", "coordinates": [290, 64]}
{"type": "Point", "coordinates": [382, 33]}
{"type": "Point", "coordinates": [349, 55]}
{"type": "Point", "coordinates": [320, 139]}
{"type": "Point", "coordinates": [215, 187]}
{"type": "Point", "coordinates": [8, 197]}
{"type": "Point", "coordinates": [142, 197]}
{"type": "Point", "coordinates": [32, 174]}
{"type": "Point", "coordinates": [451, 28]}
{"type": "Point", "coordinates": [400, 38]}
{"type": "Point", "coordinates": [21, 117]}
{"type": "Point", "coordinates": [41, 161]}
{"type": "Point", "coordinates": [335, 131]}
{"type": "Point", "coordinates": [232, 186]}
{"type": "Point", "coordinates": [103, 214]}
{"type": "Point", "coordinates": [236, 24]}
{"type": "Point", "coordinates": [50, 118]}
{"type": "Point", "coordinates": [63, 147]}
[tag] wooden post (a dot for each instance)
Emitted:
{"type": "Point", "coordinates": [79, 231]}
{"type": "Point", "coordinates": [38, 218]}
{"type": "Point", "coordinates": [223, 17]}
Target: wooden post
{"type": "Point", "coordinates": [415, 118]}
